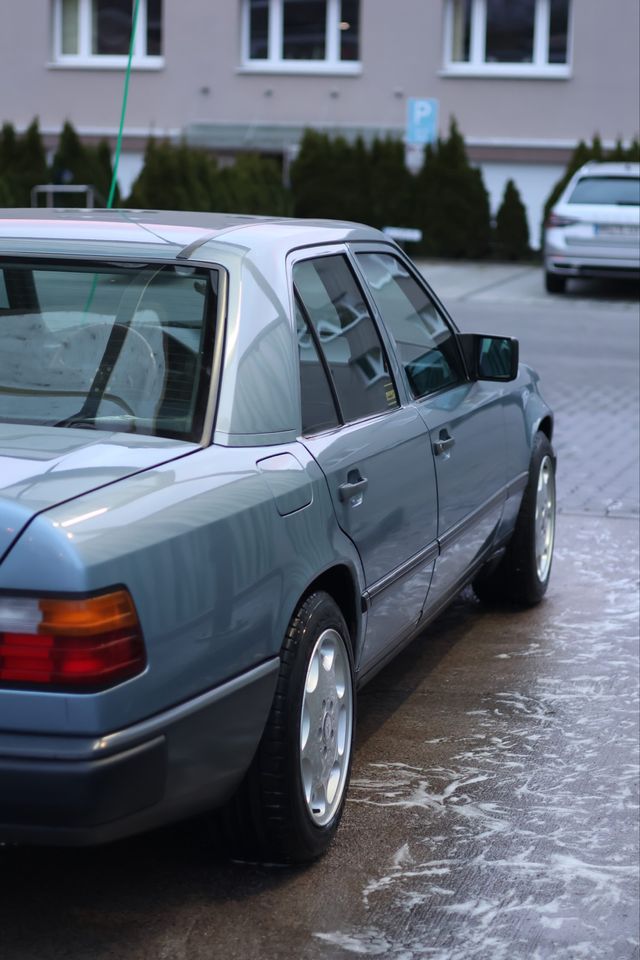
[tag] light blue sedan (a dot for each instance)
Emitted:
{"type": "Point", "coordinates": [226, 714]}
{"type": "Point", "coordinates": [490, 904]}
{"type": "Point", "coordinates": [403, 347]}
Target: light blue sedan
{"type": "Point", "coordinates": [243, 462]}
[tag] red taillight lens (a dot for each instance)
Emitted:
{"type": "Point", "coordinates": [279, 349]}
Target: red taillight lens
{"type": "Point", "coordinates": [74, 645]}
{"type": "Point", "coordinates": [556, 220]}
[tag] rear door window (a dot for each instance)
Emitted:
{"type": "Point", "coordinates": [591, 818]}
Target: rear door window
{"type": "Point", "coordinates": [346, 333]}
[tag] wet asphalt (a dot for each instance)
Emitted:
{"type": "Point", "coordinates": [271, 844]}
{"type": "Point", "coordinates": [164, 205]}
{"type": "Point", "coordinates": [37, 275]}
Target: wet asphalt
{"type": "Point", "coordinates": [493, 808]}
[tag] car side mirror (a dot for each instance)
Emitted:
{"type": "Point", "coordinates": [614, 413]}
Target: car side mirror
{"type": "Point", "coordinates": [490, 358]}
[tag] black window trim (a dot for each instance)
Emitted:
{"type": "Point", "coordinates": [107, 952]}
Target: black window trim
{"type": "Point", "coordinates": [342, 250]}
{"type": "Point", "coordinates": [325, 366]}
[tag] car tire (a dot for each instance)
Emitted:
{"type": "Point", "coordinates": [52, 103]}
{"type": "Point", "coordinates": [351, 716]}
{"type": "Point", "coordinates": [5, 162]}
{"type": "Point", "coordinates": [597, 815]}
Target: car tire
{"type": "Point", "coordinates": [554, 283]}
{"type": "Point", "coordinates": [522, 575]}
{"type": "Point", "coordinates": [290, 803]}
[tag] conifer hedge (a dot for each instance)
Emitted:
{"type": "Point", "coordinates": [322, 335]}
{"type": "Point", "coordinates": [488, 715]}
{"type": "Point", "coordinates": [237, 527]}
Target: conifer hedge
{"type": "Point", "coordinates": [330, 178]}
{"type": "Point", "coordinates": [512, 229]}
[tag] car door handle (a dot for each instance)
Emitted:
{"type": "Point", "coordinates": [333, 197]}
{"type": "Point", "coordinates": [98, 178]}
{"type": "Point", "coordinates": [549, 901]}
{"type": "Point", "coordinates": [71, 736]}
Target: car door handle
{"type": "Point", "coordinates": [354, 484]}
{"type": "Point", "coordinates": [444, 443]}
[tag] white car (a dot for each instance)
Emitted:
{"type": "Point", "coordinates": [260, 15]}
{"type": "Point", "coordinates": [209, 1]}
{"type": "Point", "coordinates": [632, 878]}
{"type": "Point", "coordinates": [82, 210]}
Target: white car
{"type": "Point", "coordinates": [594, 228]}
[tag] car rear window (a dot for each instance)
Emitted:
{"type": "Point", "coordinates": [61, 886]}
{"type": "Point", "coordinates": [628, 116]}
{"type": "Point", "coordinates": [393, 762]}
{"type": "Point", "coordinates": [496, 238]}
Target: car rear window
{"type": "Point", "coordinates": [118, 347]}
{"type": "Point", "coordinates": [623, 191]}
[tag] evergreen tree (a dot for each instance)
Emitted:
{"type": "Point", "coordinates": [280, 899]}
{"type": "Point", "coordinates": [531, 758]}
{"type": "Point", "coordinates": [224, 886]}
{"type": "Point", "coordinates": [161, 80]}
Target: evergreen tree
{"type": "Point", "coordinates": [77, 163]}
{"type": "Point", "coordinates": [309, 175]}
{"type": "Point", "coordinates": [633, 151]}
{"type": "Point", "coordinates": [33, 163]}
{"type": "Point", "coordinates": [8, 164]}
{"type": "Point", "coordinates": [512, 230]}
{"type": "Point", "coordinates": [176, 177]}
{"type": "Point", "coordinates": [253, 185]}
{"type": "Point", "coordinates": [69, 163]}
{"type": "Point", "coordinates": [103, 172]}
{"type": "Point", "coordinates": [452, 202]}
{"type": "Point", "coordinates": [390, 186]}
{"type": "Point", "coordinates": [6, 197]}
{"type": "Point", "coordinates": [22, 162]}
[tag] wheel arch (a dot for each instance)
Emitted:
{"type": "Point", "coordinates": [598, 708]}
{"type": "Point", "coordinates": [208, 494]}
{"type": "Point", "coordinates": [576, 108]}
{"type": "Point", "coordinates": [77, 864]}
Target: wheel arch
{"type": "Point", "coordinates": [340, 583]}
{"type": "Point", "coordinates": [546, 426]}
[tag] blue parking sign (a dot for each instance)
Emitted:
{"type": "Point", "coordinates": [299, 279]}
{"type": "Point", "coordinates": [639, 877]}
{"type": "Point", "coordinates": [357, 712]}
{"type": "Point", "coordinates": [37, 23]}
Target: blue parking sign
{"type": "Point", "coordinates": [422, 120]}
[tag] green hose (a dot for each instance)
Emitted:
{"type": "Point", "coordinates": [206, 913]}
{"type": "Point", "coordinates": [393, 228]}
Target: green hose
{"type": "Point", "coordinates": [116, 160]}
{"type": "Point", "coordinates": [125, 96]}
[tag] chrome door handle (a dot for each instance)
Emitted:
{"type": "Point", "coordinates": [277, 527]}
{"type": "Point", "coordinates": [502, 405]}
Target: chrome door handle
{"type": "Point", "coordinates": [443, 444]}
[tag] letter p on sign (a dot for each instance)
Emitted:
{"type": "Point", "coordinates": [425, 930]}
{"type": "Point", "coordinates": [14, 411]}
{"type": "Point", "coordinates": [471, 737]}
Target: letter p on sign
{"type": "Point", "coordinates": [422, 120]}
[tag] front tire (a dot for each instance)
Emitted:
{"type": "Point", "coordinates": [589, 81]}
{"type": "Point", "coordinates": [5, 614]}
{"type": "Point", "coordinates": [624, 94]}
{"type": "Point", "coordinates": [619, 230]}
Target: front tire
{"type": "Point", "coordinates": [523, 573]}
{"type": "Point", "coordinates": [289, 806]}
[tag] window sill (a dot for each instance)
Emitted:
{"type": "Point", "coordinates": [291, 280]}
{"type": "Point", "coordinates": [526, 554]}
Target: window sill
{"type": "Point", "coordinates": [511, 71]}
{"type": "Point", "coordinates": [105, 63]}
{"type": "Point", "coordinates": [302, 67]}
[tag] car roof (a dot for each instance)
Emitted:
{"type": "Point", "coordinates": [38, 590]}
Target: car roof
{"type": "Point", "coordinates": [164, 234]}
{"type": "Point", "coordinates": [609, 169]}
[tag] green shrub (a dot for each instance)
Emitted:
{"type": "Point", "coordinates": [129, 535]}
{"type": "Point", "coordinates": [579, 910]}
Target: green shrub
{"type": "Point", "coordinates": [175, 177]}
{"type": "Point", "coordinates": [452, 204]}
{"type": "Point", "coordinates": [334, 179]}
{"type": "Point", "coordinates": [6, 197]}
{"type": "Point", "coordinates": [512, 229]}
{"type": "Point", "coordinates": [76, 163]}
{"type": "Point", "coordinates": [329, 178]}
{"type": "Point", "coordinates": [23, 163]}
{"type": "Point", "coordinates": [253, 185]}
{"type": "Point", "coordinates": [391, 186]}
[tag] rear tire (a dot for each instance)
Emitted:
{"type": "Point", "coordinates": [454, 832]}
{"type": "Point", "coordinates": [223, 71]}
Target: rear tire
{"type": "Point", "coordinates": [522, 576]}
{"type": "Point", "coordinates": [288, 808]}
{"type": "Point", "coordinates": [554, 283]}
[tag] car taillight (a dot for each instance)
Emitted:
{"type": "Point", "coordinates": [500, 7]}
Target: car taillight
{"type": "Point", "coordinates": [70, 644]}
{"type": "Point", "coordinates": [556, 220]}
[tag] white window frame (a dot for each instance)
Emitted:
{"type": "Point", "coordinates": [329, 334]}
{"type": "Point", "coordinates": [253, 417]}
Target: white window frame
{"type": "Point", "coordinates": [275, 63]}
{"type": "Point", "coordinates": [476, 66]}
{"type": "Point", "coordinates": [85, 59]}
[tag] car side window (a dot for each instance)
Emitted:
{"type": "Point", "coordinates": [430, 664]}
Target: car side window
{"type": "Point", "coordinates": [347, 335]}
{"type": "Point", "coordinates": [318, 407]}
{"type": "Point", "coordinates": [425, 343]}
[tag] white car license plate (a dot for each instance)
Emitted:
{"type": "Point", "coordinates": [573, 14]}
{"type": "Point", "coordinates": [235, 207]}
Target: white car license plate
{"type": "Point", "coordinates": [617, 229]}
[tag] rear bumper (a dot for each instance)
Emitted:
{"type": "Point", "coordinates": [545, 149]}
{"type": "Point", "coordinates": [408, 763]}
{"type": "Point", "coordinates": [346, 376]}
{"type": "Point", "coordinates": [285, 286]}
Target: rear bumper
{"type": "Point", "coordinates": [76, 791]}
{"type": "Point", "coordinates": [569, 264]}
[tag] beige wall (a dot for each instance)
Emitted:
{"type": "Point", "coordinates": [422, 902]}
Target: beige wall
{"type": "Point", "coordinates": [401, 52]}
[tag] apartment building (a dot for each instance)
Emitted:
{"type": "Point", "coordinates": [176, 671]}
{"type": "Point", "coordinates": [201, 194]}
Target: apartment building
{"type": "Point", "coordinates": [525, 79]}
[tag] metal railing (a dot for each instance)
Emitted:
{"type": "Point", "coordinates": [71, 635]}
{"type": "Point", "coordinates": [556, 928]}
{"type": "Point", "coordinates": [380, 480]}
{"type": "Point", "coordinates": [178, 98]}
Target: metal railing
{"type": "Point", "coordinates": [51, 189]}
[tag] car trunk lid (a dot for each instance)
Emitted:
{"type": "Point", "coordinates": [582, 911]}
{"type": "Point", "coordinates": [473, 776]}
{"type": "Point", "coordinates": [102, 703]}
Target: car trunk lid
{"type": "Point", "coordinates": [41, 467]}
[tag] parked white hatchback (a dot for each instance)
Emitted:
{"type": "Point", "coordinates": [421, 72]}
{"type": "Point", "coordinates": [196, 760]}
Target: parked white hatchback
{"type": "Point", "coordinates": [594, 229]}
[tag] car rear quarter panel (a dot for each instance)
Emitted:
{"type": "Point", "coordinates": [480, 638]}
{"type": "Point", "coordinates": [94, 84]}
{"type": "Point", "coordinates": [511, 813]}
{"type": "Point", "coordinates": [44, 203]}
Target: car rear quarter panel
{"type": "Point", "coordinates": [214, 569]}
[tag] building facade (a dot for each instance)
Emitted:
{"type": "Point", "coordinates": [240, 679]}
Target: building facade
{"type": "Point", "coordinates": [525, 79]}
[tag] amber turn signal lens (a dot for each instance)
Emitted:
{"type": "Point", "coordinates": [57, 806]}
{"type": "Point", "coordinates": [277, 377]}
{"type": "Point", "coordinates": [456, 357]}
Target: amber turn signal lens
{"type": "Point", "coordinates": [85, 618]}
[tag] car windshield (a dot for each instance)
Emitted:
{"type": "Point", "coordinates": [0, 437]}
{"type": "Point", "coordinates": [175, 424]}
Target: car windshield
{"type": "Point", "coordinates": [119, 347]}
{"type": "Point", "coordinates": [623, 191]}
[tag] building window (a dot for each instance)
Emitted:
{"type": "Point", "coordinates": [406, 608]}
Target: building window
{"type": "Point", "coordinates": [296, 36]}
{"type": "Point", "coordinates": [507, 38]}
{"type": "Point", "coordinates": [97, 33]}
